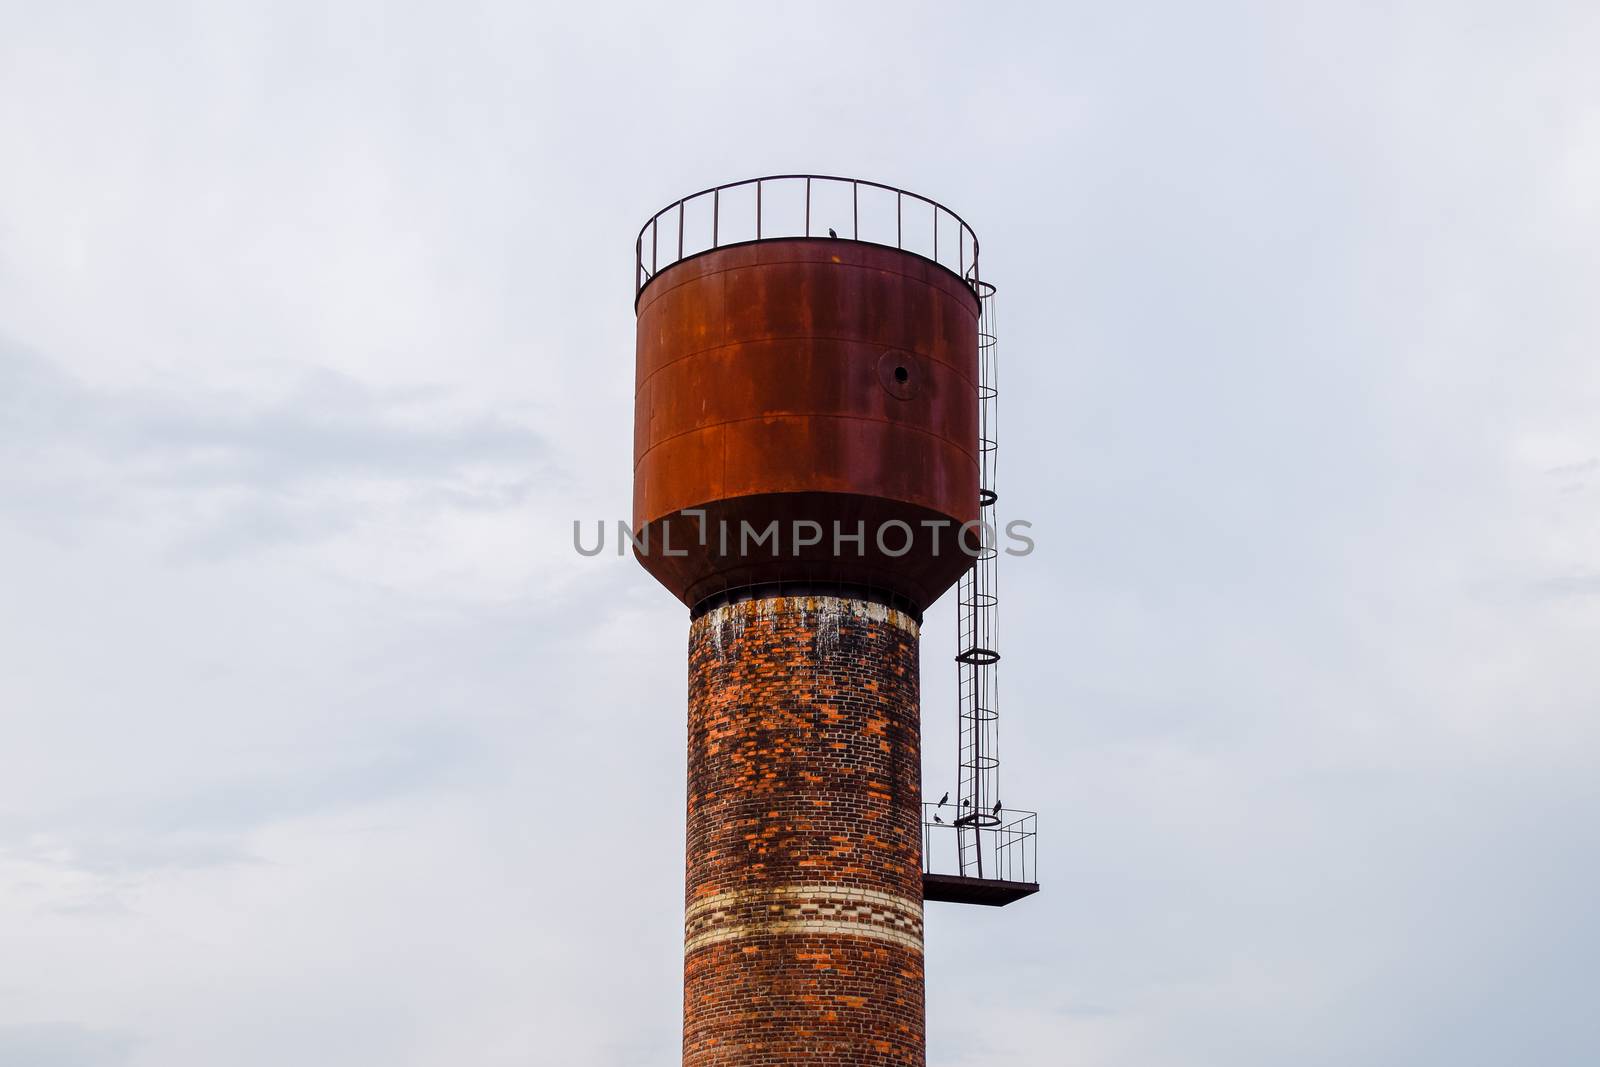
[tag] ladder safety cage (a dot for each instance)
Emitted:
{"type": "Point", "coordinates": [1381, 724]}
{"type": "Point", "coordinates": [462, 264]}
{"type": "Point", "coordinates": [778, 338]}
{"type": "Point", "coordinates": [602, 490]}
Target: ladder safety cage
{"type": "Point", "coordinates": [993, 847]}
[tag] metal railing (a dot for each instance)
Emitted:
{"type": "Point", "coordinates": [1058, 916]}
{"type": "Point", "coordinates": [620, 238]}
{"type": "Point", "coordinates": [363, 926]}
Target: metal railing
{"type": "Point", "coordinates": [955, 843]}
{"type": "Point", "coordinates": [804, 205]}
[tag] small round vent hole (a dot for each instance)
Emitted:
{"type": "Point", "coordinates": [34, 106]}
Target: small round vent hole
{"type": "Point", "coordinates": [902, 375]}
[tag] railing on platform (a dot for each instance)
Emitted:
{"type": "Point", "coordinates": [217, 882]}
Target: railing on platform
{"type": "Point", "coordinates": [805, 205]}
{"type": "Point", "coordinates": [968, 845]}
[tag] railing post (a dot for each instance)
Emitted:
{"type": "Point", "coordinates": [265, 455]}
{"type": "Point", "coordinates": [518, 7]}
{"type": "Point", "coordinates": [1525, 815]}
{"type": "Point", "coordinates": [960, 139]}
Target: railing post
{"type": "Point", "coordinates": [936, 233]}
{"type": "Point", "coordinates": [716, 214]}
{"type": "Point", "coordinates": [899, 237]}
{"type": "Point", "coordinates": [680, 229]}
{"type": "Point", "coordinates": [655, 242]}
{"type": "Point", "coordinates": [808, 205]}
{"type": "Point", "coordinates": [855, 209]}
{"type": "Point", "coordinates": [758, 209]}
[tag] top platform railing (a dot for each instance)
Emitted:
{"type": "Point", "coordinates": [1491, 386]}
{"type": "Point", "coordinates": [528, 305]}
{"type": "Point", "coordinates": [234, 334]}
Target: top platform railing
{"type": "Point", "coordinates": [804, 205]}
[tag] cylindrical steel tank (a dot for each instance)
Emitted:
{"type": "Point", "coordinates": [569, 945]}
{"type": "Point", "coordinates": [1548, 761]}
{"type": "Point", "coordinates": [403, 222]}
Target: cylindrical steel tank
{"type": "Point", "coordinates": [813, 381]}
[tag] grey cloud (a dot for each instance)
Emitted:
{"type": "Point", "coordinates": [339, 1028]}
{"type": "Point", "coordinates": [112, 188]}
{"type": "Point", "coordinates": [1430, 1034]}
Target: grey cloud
{"type": "Point", "coordinates": [1571, 585]}
{"type": "Point", "coordinates": [118, 837]}
{"type": "Point", "coordinates": [64, 1045]}
{"type": "Point", "coordinates": [325, 426]}
{"type": "Point", "coordinates": [234, 470]}
{"type": "Point", "coordinates": [1579, 469]}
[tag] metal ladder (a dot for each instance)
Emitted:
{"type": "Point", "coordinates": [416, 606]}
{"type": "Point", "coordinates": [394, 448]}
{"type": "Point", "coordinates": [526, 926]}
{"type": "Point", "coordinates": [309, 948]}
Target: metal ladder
{"type": "Point", "coordinates": [977, 653]}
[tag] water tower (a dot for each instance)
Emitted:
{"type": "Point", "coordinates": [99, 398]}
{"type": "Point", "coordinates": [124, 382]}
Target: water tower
{"type": "Point", "coordinates": [813, 467]}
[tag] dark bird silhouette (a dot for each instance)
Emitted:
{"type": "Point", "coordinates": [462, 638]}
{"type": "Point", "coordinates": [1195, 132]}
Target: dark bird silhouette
{"type": "Point", "coordinates": [937, 819]}
{"type": "Point", "coordinates": [996, 808]}
{"type": "Point", "coordinates": [944, 799]}
{"type": "Point", "coordinates": [967, 803]}
{"type": "Point", "coordinates": [831, 233]}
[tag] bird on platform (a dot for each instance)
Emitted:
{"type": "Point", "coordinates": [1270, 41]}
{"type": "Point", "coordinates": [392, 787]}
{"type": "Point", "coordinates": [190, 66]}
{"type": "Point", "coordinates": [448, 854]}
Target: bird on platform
{"type": "Point", "coordinates": [835, 236]}
{"type": "Point", "coordinates": [967, 803]}
{"type": "Point", "coordinates": [996, 808]}
{"type": "Point", "coordinates": [938, 820]}
{"type": "Point", "coordinates": [944, 799]}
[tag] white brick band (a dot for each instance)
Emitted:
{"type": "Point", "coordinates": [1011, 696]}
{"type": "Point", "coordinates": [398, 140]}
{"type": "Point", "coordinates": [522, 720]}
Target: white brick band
{"type": "Point", "coordinates": [822, 610]}
{"type": "Point", "coordinates": [803, 909]}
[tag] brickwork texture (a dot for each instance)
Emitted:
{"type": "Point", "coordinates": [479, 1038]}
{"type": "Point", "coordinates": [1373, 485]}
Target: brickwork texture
{"type": "Point", "coordinates": [803, 918]}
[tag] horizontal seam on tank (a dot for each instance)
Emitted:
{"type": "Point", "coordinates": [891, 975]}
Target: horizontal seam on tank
{"type": "Point", "coordinates": [800, 337]}
{"type": "Point", "coordinates": [801, 415]}
{"type": "Point", "coordinates": [690, 280]}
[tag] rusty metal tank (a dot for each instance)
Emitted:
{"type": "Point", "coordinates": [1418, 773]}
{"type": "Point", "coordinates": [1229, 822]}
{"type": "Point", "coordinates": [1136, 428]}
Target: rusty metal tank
{"type": "Point", "coordinates": [825, 384]}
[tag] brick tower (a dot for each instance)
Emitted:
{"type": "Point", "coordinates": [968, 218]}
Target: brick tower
{"type": "Point", "coordinates": [806, 456]}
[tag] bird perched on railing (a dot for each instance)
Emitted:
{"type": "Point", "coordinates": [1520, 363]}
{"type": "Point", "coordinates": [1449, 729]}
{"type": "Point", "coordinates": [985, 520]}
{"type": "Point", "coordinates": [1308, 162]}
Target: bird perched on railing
{"type": "Point", "coordinates": [944, 799]}
{"type": "Point", "coordinates": [996, 808]}
{"type": "Point", "coordinates": [832, 234]}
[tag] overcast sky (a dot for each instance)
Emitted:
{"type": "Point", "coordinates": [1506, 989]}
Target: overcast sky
{"type": "Point", "coordinates": [320, 745]}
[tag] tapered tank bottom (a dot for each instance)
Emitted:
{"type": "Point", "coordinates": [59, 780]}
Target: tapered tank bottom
{"type": "Point", "coordinates": [803, 922]}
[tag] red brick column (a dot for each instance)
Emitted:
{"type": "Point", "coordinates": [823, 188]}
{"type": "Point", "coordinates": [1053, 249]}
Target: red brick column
{"type": "Point", "coordinates": [803, 928]}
